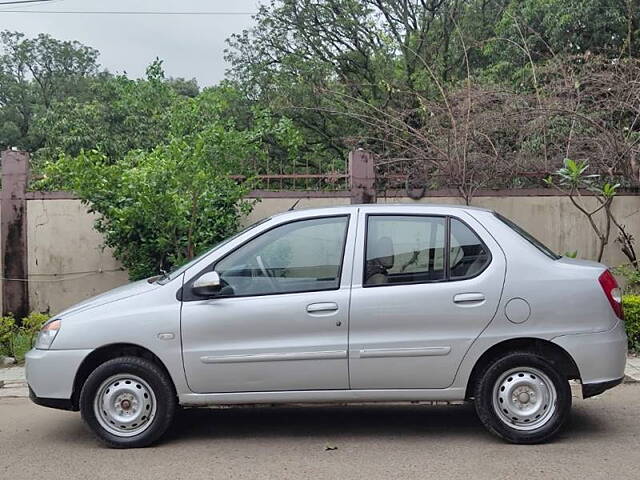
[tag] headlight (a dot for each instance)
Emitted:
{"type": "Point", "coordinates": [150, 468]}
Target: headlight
{"type": "Point", "coordinates": [47, 334]}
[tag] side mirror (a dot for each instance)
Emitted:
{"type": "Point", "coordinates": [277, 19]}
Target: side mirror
{"type": "Point", "coordinates": [208, 285]}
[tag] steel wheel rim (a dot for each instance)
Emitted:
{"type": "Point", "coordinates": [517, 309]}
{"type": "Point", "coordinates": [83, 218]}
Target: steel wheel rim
{"type": "Point", "coordinates": [125, 405]}
{"type": "Point", "coordinates": [524, 398]}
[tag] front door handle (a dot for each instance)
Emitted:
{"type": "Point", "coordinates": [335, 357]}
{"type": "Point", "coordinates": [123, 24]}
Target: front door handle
{"type": "Point", "coordinates": [469, 298]}
{"type": "Point", "coordinates": [322, 307]}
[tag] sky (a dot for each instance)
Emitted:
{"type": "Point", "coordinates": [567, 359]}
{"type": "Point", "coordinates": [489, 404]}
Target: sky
{"type": "Point", "coordinates": [192, 46]}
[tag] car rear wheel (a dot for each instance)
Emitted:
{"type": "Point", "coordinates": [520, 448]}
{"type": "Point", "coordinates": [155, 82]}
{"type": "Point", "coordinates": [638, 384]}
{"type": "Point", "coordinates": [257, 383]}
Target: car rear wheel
{"type": "Point", "coordinates": [128, 402]}
{"type": "Point", "coordinates": [522, 398]}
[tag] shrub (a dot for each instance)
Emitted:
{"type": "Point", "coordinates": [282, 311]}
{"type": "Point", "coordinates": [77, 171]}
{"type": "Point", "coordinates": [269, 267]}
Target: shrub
{"type": "Point", "coordinates": [21, 343]}
{"type": "Point", "coordinates": [7, 328]}
{"type": "Point", "coordinates": [16, 338]}
{"type": "Point", "coordinates": [631, 305]}
{"type": "Point", "coordinates": [631, 277]}
{"type": "Point", "coordinates": [156, 209]}
{"type": "Point", "coordinates": [32, 324]}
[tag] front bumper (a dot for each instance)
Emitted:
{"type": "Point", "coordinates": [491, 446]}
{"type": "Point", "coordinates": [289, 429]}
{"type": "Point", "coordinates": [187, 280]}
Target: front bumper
{"type": "Point", "coordinates": [59, 403]}
{"type": "Point", "coordinates": [600, 357]}
{"type": "Point", "coordinates": [51, 373]}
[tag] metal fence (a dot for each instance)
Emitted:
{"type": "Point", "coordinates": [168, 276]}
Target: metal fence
{"type": "Point", "coordinates": [330, 175]}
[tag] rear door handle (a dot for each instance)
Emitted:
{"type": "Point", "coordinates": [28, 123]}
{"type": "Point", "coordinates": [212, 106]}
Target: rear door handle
{"type": "Point", "coordinates": [322, 307]}
{"type": "Point", "coordinates": [468, 298]}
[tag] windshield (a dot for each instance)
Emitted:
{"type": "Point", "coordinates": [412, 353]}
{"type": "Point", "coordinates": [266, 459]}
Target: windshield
{"type": "Point", "coordinates": [529, 238]}
{"type": "Point", "coordinates": [176, 272]}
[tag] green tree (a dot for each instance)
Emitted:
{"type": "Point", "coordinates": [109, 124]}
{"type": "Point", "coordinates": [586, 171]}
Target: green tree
{"type": "Point", "coordinates": [573, 178]}
{"type": "Point", "coordinates": [183, 87]}
{"type": "Point", "coordinates": [35, 73]}
{"type": "Point", "coordinates": [122, 115]}
{"type": "Point", "coordinates": [318, 62]}
{"type": "Point", "coordinates": [537, 30]}
{"type": "Point", "coordinates": [162, 206]}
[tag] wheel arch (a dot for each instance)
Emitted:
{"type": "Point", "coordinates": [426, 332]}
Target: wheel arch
{"type": "Point", "coordinates": [109, 352]}
{"type": "Point", "coordinates": [557, 355]}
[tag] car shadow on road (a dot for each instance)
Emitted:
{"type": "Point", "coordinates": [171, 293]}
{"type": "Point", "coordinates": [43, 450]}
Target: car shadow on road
{"type": "Point", "coordinates": [333, 421]}
{"type": "Point", "coordinates": [348, 421]}
{"type": "Point", "coordinates": [337, 422]}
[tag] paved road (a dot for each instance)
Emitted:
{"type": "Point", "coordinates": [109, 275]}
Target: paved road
{"type": "Point", "coordinates": [378, 442]}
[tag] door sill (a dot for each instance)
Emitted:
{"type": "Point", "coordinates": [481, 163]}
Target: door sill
{"type": "Point", "coordinates": [322, 396]}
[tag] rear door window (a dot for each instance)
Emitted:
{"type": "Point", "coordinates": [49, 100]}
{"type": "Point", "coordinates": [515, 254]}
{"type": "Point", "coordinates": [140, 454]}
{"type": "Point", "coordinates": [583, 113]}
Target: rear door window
{"type": "Point", "coordinates": [405, 249]}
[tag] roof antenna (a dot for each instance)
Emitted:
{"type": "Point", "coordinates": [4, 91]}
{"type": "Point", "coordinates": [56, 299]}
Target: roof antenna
{"type": "Point", "coordinates": [294, 205]}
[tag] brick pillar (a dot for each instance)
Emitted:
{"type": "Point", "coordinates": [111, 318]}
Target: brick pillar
{"type": "Point", "coordinates": [363, 177]}
{"type": "Point", "coordinates": [13, 233]}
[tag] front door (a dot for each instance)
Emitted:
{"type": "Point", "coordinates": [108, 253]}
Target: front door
{"type": "Point", "coordinates": [280, 321]}
{"type": "Point", "coordinates": [424, 288]}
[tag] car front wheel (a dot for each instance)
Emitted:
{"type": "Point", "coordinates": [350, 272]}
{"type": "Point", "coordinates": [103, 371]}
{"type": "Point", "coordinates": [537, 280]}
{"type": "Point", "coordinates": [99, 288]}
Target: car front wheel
{"type": "Point", "coordinates": [128, 402]}
{"type": "Point", "coordinates": [522, 398]}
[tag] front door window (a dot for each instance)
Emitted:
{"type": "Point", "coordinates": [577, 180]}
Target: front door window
{"type": "Point", "coordinates": [300, 256]}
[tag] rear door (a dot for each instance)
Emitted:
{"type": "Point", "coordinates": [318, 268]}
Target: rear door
{"type": "Point", "coordinates": [424, 287]}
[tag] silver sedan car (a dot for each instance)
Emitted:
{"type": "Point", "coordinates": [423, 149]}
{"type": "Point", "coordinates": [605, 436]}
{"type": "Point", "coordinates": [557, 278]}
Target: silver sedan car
{"type": "Point", "coordinates": [370, 303]}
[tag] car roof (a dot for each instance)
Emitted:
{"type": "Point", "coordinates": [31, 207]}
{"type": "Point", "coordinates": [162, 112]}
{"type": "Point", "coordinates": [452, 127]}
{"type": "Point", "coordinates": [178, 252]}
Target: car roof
{"type": "Point", "coordinates": [373, 206]}
{"type": "Point", "coordinates": [369, 208]}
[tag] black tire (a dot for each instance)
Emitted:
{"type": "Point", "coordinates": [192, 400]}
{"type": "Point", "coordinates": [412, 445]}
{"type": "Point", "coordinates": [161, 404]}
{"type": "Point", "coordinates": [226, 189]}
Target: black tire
{"type": "Point", "coordinates": [155, 379]}
{"type": "Point", "coordinates": [496, 424]}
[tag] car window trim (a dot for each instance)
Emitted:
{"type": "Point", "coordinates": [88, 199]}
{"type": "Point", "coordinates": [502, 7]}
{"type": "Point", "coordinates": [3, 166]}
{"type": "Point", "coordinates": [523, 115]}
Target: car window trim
{"type": "Point", "coordinates": [184, 293]}
{"type": "Point", "coordinates": [447, 247]}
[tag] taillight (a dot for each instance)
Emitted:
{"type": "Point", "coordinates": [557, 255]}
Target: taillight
{"type": "Point", "coordinates": [612, 291]}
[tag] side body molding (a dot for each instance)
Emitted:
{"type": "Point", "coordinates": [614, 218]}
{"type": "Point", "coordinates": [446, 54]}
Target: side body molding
{"type": "Point", "coordinates": [271, 357]}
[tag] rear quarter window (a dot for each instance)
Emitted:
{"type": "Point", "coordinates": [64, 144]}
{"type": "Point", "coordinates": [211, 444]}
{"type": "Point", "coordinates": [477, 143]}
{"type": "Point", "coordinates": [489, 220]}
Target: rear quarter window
{"type": "Point", "coordinates": [468, 256]}
{"type": "Point", "coordinates": [528, 237]}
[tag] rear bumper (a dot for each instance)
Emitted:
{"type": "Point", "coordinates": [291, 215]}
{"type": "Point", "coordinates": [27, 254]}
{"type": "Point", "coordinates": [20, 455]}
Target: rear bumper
{"type": "Point", "coordinates": [593, 389]}
{"type": "Point", "coordinates": [600, 357]}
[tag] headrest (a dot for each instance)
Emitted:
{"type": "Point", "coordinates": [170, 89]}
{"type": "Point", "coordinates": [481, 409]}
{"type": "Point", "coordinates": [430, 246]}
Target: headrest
{"type": "Point", "coordinates": [382, 252]}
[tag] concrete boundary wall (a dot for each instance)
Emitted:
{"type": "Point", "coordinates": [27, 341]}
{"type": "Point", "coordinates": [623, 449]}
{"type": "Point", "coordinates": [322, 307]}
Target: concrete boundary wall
{"type": "Point", "coordinates": [67, 262]}
{"type": "Point", "coordinates": [52, 257]}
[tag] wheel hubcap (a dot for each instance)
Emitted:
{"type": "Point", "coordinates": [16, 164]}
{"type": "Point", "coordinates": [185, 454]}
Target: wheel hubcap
{"type": "Point", "coordinates": [125, 405]}
{"type": "Point", "coordinates": [524, 398]}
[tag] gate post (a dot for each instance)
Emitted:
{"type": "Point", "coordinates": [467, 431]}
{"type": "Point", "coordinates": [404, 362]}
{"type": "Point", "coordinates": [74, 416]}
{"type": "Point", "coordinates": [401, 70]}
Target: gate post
{"type": "Point", "coordinates": [13, 233]}
{"type": "Point", "coordinates": [362, 177]}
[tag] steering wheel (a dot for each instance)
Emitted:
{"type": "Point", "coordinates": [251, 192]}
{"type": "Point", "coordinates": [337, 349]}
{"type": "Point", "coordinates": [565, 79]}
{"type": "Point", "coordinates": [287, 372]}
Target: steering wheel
{"type": "Point", "coordinates": [265, 272]}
